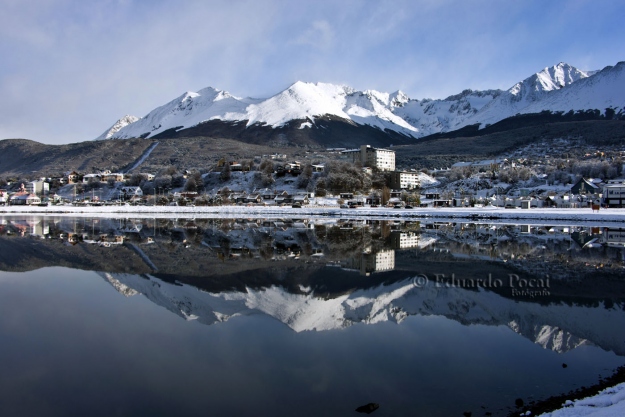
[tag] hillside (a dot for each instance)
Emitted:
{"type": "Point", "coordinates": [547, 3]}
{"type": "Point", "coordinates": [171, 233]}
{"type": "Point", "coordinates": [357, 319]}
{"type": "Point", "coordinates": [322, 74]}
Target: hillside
{"type": "Point", "coordinates": [27, 158]}
{"type": "Point", "coordinates": [438, 151]}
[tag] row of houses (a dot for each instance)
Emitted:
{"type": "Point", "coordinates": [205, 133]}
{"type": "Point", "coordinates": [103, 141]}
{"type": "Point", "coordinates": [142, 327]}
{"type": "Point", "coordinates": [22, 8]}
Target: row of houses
{"type": "Point", "coordinates": [24, 196]}
{"type": "Point", "coordinates": [265, 195]}
{"type": "Point", "coordinates": [104, 176]}
{"type": "Point", "coordinates": [610, 193]}
{"type": "Point", "coordinates": [584, 193]}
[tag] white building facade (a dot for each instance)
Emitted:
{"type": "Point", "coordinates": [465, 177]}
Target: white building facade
{"type": "Point", "coordinates": [405, 180]}
{"type": "Point", "coordinates": [614, 194]}
{"type": "Point", "coordinates": [382, 159]}
{"type": "Point", "coordinates": [38, 187]}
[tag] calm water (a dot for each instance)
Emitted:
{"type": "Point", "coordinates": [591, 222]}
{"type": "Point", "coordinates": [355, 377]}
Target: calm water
{"type": "Point", "coordinates": [217, 317]}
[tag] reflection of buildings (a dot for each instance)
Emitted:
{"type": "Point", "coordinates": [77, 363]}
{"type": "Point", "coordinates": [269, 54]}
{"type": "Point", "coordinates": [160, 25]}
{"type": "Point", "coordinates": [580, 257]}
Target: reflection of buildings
{"type": "Point", "coordinates": [406, 240]}
{"type": "Point", "coordinates": [614, 237]}
{"type": "Point", "coordinates": [369, 262]}
{"type": "Point", "coordinates": [31, 226]}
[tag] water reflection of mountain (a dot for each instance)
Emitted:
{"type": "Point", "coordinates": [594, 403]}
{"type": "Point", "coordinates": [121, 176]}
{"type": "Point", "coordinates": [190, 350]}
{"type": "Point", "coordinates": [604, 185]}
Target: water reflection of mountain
{"type": "Point", "coordinates": [559, 327]}
{"type": "Point", "coordinates": [331, 273]}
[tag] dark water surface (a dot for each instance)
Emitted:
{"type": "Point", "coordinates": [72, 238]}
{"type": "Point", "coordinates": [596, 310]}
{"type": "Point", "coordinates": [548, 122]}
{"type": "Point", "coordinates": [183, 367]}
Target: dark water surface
{"type": "Point", "coordinates": [191, 320]}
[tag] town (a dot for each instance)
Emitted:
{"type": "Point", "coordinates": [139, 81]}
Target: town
{"type": "Point", "coordinates": [346, 178]}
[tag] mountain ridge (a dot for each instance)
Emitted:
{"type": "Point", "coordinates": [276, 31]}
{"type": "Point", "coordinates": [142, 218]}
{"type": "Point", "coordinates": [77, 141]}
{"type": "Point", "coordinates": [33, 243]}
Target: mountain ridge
{"type": "Point", "coordinates": [561, 87]}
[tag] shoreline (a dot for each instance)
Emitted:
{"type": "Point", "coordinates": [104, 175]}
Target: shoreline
{"type": "Point", "coordinates": [557, 404]}
{"type": "Point", "coordinates": [586, 215]}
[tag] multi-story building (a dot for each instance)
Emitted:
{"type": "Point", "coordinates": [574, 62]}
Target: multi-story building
{"type": "Point", "coordinates": [382, 159]}
{"type": "Point", "coordinates": [614, 194]}
{"type": "Point", "coordinates": [38, 187]}
{"type": "Point", "coordinates": [405, 180]}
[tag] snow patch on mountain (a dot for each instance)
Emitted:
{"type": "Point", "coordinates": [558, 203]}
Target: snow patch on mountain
{"type": "Point", "coordinates": [607, 87]}
{"type": "Point", "coordinates": [436, 116]}
{"type": "Point", "coordinates": [525, 93]}
{"type": "Point", "coordinates": [117, 126]}
{"type": "Point", "coordinates": [188, 110]}
{"type": "Point", "coordinates": [558, 88]}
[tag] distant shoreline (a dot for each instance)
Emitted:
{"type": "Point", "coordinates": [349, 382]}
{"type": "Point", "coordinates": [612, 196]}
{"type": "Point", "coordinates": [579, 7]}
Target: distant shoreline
{"type": "Point", "coordinates": [474, 214]}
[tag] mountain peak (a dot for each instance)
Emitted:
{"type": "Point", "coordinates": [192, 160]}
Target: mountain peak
{"type": "Point", "coordinates": [399, 98]}
{"type": "Point", "coordinates": [549, 79]}
{"type": "Point", "coordinates": [117, 126]}
{"type": "Point", "coordinates": [389, 113]}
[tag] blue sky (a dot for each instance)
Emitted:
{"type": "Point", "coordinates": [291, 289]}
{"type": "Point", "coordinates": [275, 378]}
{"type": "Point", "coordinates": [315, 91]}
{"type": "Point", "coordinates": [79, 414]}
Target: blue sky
{"type": "Point", "coordinates": [70, 69]}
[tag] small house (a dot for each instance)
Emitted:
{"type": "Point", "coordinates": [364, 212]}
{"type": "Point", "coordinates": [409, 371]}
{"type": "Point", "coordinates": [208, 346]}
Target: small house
{"type": "Point", "coordinates": [72, 177]}
{"type": "Point", "coordinates": [301, 199]}
{"type": "Point", "coordinates": [253, 198]}
{"type": "Point", "coordinates": [129, 192]}
{"type": "Point", "coordinates": [584, 186]}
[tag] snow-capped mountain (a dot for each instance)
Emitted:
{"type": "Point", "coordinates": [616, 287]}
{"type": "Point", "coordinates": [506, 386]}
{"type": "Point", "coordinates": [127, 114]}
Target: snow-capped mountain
{"type": "Point", "coordinates": [436, 116]}
{"type": "Point", "coordinates": [558, 327]}
{"type": "Point", "coordinates": [301, 101]}
{"type": "Point", "coordinates": [117, 126]}
{"type": "Point", "coordinates": [529, 92]}
{"type": "Point", "coordinates": [558, 88]}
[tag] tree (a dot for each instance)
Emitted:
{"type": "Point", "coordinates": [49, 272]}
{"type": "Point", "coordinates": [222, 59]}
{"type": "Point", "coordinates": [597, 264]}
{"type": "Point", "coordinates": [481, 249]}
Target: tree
{"type": "Point", "coordinates": [177, 181]}
{"type": "Point", "coordinates": [342, 176]}
{"type": "Point", "coordinates": [247, 165]}
{"type": "Point", "coordinates": [380, 179]}
{"type": "Point", "coordinates": [190, 185]}
{"type": "Point", "coordinates": [609, 113]}
{"type": "Point", "coordinates": [92, 184]}
{"type": "Point", "coordinates": [225, 172]}
{"type": "Point", "coordinates": [135, 179]}
{"type": "Point", "coordinates": [224, 193]}
{"type": "Point", "coordinates": [163, 182]}
{"type": "Point", "coordinates": [194, 182]}
{"type": "Point", "coordinates": [304, 178]}
{"type": "Point", "coordinates": [266, 166]}
{"type": "Point", "coordinates": [386, 195]}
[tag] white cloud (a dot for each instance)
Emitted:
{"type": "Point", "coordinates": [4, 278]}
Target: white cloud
{"type": "Point", "coordinates": [70, 68]}
{"type": "Point", "coordinates": [319, 35]}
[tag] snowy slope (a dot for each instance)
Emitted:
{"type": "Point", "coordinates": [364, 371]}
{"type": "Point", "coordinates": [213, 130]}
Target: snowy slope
{"type": "Point", "coordinates": [188, 110]}
{"type": "Point", "coordinates": [607, 87]}
{"type": "Point", "coordinates": [558, 88]}
{"type": "Point", "coordinates": [117, 126]}
{"type": "Point", "coordinates": [436, 116]}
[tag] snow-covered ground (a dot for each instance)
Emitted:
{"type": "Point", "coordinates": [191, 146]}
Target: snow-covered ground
{"type": "Point", "coordinates": [490, 213]}
{"type": "Point", "coordinates": [608, 403]}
